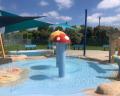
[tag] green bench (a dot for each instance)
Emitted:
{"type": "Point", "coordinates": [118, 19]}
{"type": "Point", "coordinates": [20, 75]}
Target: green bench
{"type": "Point", "coordinates": [31, 46]}
{"type": "Point", "coordinates": [77, 47]}
{"type": "Point", "coordinates": [105, 47]}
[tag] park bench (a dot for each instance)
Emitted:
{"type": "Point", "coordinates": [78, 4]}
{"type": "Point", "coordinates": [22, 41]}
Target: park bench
{"type": "Point", "coordinates": [105, 47]}
{"type": "Point", "coordinates": [31, 46]}
{"type": "Point", "coordinates": [50, 46]}
{"type": "Point", "coordinates": [77, 47]}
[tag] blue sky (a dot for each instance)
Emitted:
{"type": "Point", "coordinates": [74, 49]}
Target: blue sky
{"type": "Point", "coordinates": [58, 11]}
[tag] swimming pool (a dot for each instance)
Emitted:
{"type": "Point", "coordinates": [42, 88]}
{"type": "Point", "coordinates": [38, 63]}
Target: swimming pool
{"type": "Point", "coordinates": [30, 52]}
{"type": "Point", "coordinates": [43, 78]}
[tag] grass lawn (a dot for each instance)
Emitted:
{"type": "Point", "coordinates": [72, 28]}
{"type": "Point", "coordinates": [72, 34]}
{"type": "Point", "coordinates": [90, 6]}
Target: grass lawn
{"type": "Point", "coordinates": [21, 47]}
{"type": "Point", "coordinates": [96, 48]}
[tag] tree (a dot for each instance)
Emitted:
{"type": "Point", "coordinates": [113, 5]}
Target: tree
{"type": "Point", "coordinates": [75, 36]}
{"type": "Point", "coordinates": [101, 36]}
{"type": "Point", "coordinates": [59, 28]}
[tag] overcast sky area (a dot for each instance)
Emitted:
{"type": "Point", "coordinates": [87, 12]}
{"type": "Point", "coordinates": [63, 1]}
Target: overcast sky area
{"type": "Point", "coordinates": [59, 11]}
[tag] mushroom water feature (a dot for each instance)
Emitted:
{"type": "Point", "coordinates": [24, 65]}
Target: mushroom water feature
{"type": "Point", "coordinates": [61, 40]}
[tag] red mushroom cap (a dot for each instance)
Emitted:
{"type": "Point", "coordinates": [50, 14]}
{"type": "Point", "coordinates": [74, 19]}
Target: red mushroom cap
{"type": "Point", "coordinates": [54, 34]}
{"type": "Point", "coordinates": [62, 38]}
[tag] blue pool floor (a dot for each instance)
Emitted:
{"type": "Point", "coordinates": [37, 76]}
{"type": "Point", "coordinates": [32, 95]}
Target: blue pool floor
{"type": "Point", "coordinates": [43, 78]}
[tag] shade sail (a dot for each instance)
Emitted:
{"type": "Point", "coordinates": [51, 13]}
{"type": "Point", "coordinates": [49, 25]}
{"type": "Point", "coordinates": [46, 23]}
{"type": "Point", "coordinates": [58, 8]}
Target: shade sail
{"type": "Point", "coordinates": [4, 13]}
{"type": "Point", "coordinates": [9, 20]}
{"type": "Point", "coordinates": [23, 25]}
{"type": "Point", "coordinates": [63, 25]}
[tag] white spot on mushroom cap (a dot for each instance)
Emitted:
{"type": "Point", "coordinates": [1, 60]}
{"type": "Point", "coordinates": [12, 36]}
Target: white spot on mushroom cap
{"type": "Point", "coordinates": [58, 38]}
{"type": "Point", "coordinates": [66, 37]}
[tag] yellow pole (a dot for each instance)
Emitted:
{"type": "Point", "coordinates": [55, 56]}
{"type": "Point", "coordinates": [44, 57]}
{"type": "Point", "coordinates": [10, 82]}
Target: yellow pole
{"type": "Point", "coordinates": [2, 46]}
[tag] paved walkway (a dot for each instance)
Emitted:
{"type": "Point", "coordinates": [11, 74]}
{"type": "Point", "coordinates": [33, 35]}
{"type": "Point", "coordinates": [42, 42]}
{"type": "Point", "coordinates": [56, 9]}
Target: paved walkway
{"type": "Point", "coordinates": [90, 54]}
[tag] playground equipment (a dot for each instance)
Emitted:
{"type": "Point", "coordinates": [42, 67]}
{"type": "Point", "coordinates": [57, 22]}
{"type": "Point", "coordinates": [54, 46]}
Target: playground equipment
{"type": "Point", "coordinates": [2, 46]}
{"type": "Point", "coordinates": [113, 42]}
{"type": "Point", "coordinates": [61, 40]}
{"type": "Point", "coordinates": [116, 58]}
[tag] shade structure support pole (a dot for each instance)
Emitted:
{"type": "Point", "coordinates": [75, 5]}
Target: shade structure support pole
{"type": "Point", "coordinates": [57, 55]}
{"type": "Point", "coordinates": [2, 46]}
{"type": "Point", "coordinates": [60, 54]}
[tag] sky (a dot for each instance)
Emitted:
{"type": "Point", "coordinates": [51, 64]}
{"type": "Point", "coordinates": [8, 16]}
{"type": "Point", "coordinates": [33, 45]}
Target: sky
{"type": "Point", "coordinates": [72, 11]}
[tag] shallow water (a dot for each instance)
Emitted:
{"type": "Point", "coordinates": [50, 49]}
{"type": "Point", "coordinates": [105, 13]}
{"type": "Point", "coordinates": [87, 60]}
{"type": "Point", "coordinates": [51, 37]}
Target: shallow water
{"type": "Point", "coordinates": [43, 78]}
{"type": "Point", "coordinates": [29, 52]}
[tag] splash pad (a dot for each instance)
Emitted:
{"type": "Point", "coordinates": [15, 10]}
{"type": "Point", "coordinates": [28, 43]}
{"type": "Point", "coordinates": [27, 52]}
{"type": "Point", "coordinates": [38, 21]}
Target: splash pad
{"type": "Point", "coordinates": [11, 76]}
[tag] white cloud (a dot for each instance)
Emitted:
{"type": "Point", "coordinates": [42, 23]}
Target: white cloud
{"type": "Point", "coordinates": [64, 3]}
{"type": "Point", "coordinates": [94, 18]}
{"type": "Point", "coordinates": [28, 14]}
{"type": "Point", "coordinates": [65, 18]}
{"type": "Point", "coordinates": [43, 3]}
{"type": "Point", "coordinates": [14, 6]}
{"type": "Point", "coordinates": [1, 7]}
{"type": "Point", "coordinates": [106, 4]}
{"type": "Point", "coordinates": [55, 15]}
{"type": "Point", "coordinates": [117, 10]}
{"type": "Point", "coordinates": [109, 20]}
{"type": "Point", "coordinates": [51, 14]}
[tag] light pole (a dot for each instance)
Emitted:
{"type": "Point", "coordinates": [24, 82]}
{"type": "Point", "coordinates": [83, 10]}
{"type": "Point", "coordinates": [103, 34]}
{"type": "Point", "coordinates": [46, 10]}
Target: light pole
{"type": "Point", "coordinates": [99, 21]}
{"type": "Point", "coordinates": [99, 34]}
{"type": "Point", "coordinates": [85, 33]}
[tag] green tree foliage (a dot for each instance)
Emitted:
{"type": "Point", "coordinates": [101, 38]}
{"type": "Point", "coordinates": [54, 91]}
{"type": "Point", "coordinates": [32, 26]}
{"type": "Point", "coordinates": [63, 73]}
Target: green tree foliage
{"type": "Point", "coordinates": [101, 34]}
{"type": "Point", "coordinates": [41, 36]}
{"type": "Point", "coordinates": [59, 28]}
{"type": "Point", "coordinates": [95, 35]}
{"type": "Point", "coordinates": [74, 35]}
